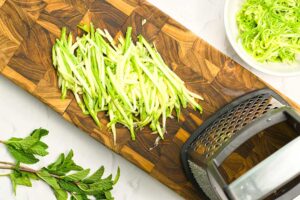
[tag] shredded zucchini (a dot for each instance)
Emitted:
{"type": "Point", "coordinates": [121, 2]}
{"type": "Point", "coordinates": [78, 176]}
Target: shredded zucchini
{"type": "Point", "coordinates": [270, 29]}
{"type": "Point", "coordinates": [129, 81]}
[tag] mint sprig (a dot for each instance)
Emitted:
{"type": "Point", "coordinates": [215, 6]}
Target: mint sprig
{"type": "Point", "coordinates": [67, 179]}
{"type": "Point", "coordinates": [25, 150]}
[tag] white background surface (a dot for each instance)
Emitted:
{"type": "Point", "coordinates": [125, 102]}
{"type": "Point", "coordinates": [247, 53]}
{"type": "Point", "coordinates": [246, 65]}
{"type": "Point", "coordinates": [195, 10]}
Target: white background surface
{"type": "Point", "coordinates": [20, 113]}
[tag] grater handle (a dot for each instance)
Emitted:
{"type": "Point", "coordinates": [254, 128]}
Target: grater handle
{"type": "Point", "coordinates": [269, 119]}
{"type": "Point", "coordinates": [258, 182]}
{"type": "Point", "coordinates": [211, 162]}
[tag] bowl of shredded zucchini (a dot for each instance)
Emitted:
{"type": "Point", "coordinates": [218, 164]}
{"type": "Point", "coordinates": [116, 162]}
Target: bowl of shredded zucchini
{"type": "Point", "coordinates": [265, 34]}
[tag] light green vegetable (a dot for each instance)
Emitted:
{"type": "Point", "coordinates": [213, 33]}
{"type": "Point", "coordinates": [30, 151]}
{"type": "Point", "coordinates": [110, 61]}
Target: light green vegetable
{"type": "Point", "coordinates": [270, 29]}
{"type": "Point", "coordinates": [129, 81]}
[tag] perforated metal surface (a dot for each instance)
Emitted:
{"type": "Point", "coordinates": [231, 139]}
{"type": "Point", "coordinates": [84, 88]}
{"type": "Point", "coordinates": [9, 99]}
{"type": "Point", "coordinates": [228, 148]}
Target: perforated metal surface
{"type": "Point", "coordinates": [231, 122]}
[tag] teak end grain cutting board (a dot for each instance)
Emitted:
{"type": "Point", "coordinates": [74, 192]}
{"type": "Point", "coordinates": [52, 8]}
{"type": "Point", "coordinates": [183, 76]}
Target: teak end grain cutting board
{"type": "Point", "coordinates": [29, 28]}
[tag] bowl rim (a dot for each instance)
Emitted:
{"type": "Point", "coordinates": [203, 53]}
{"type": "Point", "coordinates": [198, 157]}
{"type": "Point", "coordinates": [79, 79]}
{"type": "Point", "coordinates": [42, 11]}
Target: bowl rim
{"type": "Point", "coordinates": [237, 50]}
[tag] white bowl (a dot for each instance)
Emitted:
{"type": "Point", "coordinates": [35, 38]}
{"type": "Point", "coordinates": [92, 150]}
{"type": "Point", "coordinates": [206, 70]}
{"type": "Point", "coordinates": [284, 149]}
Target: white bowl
{"type": "Point", "coordinates": [279, 69]}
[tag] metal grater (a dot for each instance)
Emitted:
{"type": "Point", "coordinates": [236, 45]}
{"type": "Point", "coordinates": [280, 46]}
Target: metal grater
{"type": "Point", "coordinates": [226, 131]}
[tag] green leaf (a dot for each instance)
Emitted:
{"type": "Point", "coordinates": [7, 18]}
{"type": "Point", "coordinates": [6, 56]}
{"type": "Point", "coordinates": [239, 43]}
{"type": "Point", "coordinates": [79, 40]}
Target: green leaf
{"type": "Point", "coordinates": [60, 194]}
{"type": "Point", "coordinates": [24, 150]}
{"type": "Point", "coordinates": [54, 166]}
{"type": "Point", "coordinates": [29, 141]}
{"type": "Point", "coordinates": [22, 156]}
{"type": "Point", "coordinates": [109, 177]}
{"type": "Point", "coordinates": [20, 143]}
{"type": "Point", "coordinates": [69, 186]}
{"type": "Point", "coordinates": [46, 176]}
{"type": "Point", "coordinates": [39, 148]}
{"type": "Point", "coordinates": [100, 196]}
{"type": "Point", "coordinates": [97, 187]}
{"type": "Point", "coordinates": [108, 195]}
{"type": "Point", "coordinates": [117, 176]}
{"type": "Point", "coordinates": [77, 176]}
{"type": "Point", "coordinates": [104, 184]}
{"type": "Point", "coordinates": [19, 178]}
{"type": "Point", "coordinates": [105, 195]}
{"type": "Point", "coordinates": [71, 165]}
{"type": "Point", "coordinates": [94, 177]}
{"type": "Point", "coordinates": [79, 197]}
{"type": "Point", "coordinates": [39, 133]}
{"type": "Point", "coordinates": [64, 165]}
{"type": "Point", "coordinates": [31, 175]}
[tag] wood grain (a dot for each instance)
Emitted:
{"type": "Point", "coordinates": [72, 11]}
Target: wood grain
{"type": "Point", "coordinates": [47, 90]}
{"type": "Point", "coordinates": [7, 49]}
{"type": "Point", "coordinates": [28, 30]}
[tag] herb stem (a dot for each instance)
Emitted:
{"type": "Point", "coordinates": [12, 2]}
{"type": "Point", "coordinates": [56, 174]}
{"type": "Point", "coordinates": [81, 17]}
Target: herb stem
{"type": "Point", "coordinates": [1, 141]}
{"type": "Point", "coordinates": [4, 175]}
{"type": "Point", "coordinates": [7, 163]}
{"type": "Point", "coordinates": [21, 168]}
{"type": "Point", "coordinates": [12, 166]}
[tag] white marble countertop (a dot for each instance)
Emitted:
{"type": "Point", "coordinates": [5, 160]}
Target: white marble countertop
{"type": "Point", "coordinates": [20, 113]}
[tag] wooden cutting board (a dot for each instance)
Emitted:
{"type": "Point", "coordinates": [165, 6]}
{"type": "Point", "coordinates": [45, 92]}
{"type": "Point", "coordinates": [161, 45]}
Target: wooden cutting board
{"type": "Point", "coordinates": [28, 30]}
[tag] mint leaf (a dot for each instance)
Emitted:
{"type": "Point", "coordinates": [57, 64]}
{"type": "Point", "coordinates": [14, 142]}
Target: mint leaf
{"type": "Point", "coordinates": [117, 176]}
{"type": "Point", "coordinates": [24, 150]}
{"type": "Point", "coordinates": [69, 162]}
{"type": "Point", "coordinates": [64, 165]}
{"type": "Point", "coordinates": [69, 186]}
{"type": "Point", "coordinates": [102, 185]}
{"type": "Point", "coordinates": [30, 175]}
{"type": "Point", "coordinates": [100, 196]}
{"type": "Point", "coordinates": [54, 166]}
{"type": "Point", "coordinates": [60, 194]}
{"type": "Point", "coordinates": [46, 176]}
{"type": "Point", "coordinates": [96, 176]}
{"type": "Point", "coordinates": [39, 148]}
{"type": "Point", "coordinates": [97, 187]}
{"type": "Point", "coordinates": [108, 195]}
{"type": "Point", "coordinates": [39, 133]}
{"type": "Point", "coordinates": [22, 156]}
{"type": "Point", "coordinates": [19, 178]}
{"type": "Point", "coordinates": [109, 177]}
{"type": "Point", "coordinates": [29, 141]}
{"type": "Point", "coordinates": [79, 197]}
{"type": "Point", "coordinates": [77, 176]}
